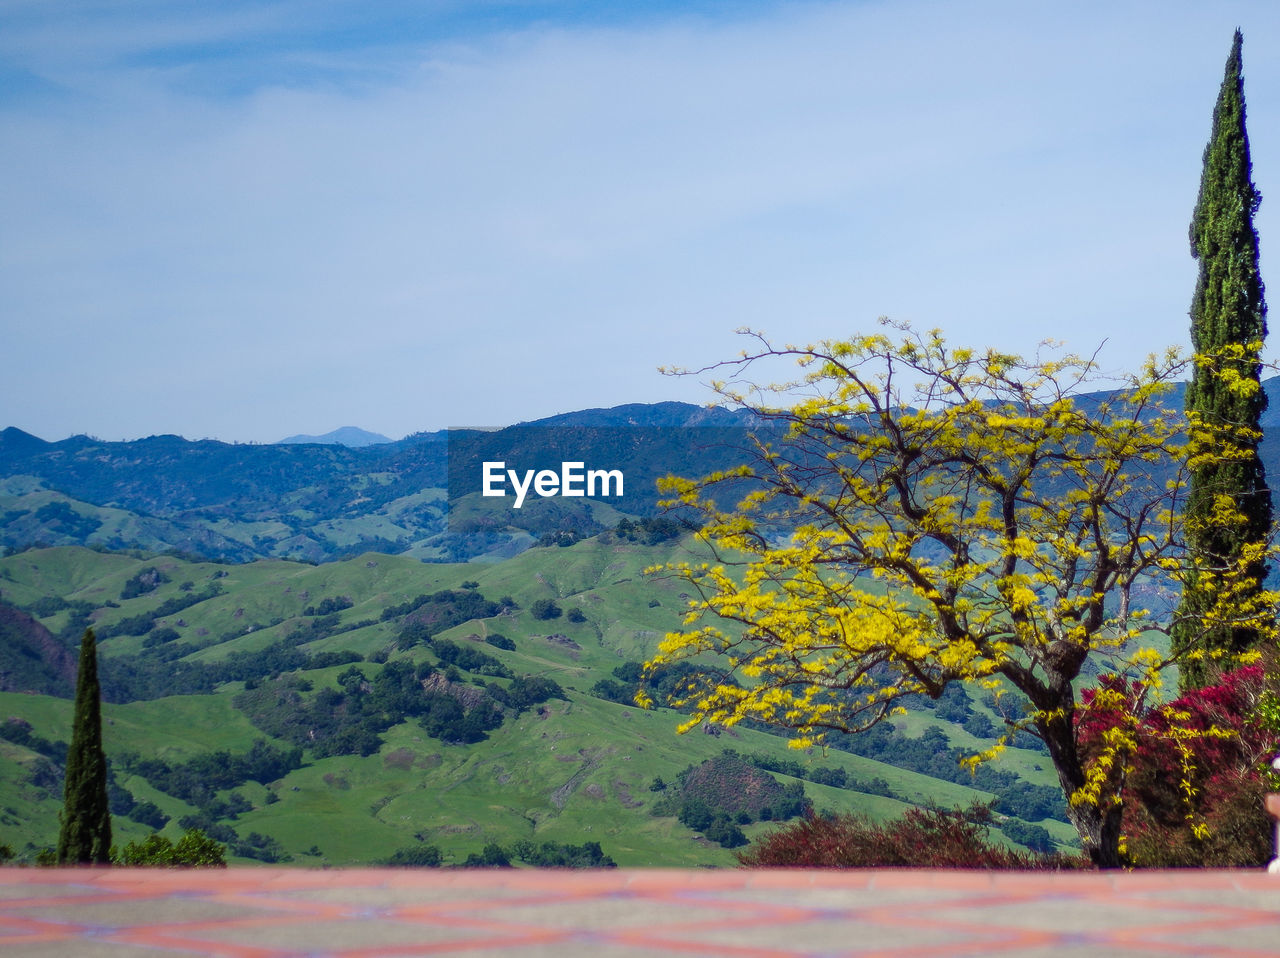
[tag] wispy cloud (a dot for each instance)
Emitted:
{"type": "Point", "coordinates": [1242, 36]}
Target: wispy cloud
{"type": "Point", "coordinates": [280, 218]}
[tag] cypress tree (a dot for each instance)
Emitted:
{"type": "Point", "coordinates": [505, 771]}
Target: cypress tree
{"type": "Point", "coordinates": [1228, 325]}
{"type": "Point", "coordinates": [85, 836]}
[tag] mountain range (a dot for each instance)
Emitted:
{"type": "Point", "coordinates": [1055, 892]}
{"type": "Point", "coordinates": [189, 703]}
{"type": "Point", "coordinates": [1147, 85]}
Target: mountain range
{"type": "Point", "coordinates": [321, 501]}
{"type": "Point", "coordinates": [342, 494]}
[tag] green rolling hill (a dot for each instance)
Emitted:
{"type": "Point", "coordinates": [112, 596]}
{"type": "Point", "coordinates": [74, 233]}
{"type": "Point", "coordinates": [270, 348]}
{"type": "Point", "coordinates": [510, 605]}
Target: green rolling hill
{"type": "Point", "coordinates": [398, 703]}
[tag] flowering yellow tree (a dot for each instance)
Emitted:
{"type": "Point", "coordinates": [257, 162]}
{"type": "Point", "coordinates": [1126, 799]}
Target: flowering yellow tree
{"type": "Point", "coordinates": [929, 515]}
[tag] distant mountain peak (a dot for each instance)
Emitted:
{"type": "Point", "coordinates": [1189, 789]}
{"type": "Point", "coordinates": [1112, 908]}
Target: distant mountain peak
{"type": "Point", "coordinates": [15, 442]}
{"type": "Point", "coordinates": [350, 436]}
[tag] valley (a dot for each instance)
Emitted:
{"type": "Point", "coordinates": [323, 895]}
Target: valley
{"type": "Point", "coordinates": [418, 665]}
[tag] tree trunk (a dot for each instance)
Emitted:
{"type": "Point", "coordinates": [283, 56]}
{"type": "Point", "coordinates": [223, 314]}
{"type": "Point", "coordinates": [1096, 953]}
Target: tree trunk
{"type": "Point", "coordinates": [1097, 824]}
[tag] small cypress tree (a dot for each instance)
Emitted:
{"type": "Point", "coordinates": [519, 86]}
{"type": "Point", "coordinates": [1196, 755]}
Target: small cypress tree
{"type": "Point", "coordinates": [85, 836]}
{"type": "Point", "coordinates": [1228, 325]}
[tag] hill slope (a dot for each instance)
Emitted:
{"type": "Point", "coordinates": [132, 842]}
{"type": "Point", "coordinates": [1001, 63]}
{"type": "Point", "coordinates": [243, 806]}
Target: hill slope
{"type": "Point", "coordinates": [399, 704]}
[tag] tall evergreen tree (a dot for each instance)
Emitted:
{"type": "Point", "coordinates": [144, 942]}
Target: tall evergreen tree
{"type": "Point", "coordinates": [1228, 325]}
{"type": "Point", "coordinates": [85, 836]}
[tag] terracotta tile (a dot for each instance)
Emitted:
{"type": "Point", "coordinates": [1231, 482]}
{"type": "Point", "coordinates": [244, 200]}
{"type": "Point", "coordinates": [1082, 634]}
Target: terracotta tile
{"type": "Point", "coordinates": [351, 913]}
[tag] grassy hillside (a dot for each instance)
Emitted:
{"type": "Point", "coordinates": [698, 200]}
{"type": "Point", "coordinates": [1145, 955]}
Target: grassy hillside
{"type": "Point", "coordinates": [308, 653]}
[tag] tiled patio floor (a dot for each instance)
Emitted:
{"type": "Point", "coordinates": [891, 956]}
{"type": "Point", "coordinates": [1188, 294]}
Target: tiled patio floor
{"type": "Point", "coordinates": [271, 912]}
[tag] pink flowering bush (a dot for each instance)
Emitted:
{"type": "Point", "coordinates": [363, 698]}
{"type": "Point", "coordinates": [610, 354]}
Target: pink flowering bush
{"type": "Point", "coordinates": [1196, 770]}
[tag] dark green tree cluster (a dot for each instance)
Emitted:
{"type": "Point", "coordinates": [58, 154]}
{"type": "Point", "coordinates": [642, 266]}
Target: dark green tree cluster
{"type": "Point", "coordinates": [350, 719]}
{"type": "Point", "coordinates": [417, 856]}
{"type": "Point", "coordinates": [149, 676]}
{"type": "Point", "coordinates": [196, 780]}
{"type": "Point", "coordinates": [546, 855]}
{"type": "Point", "coordinates": [659, 684]}
{"type": "Point", "coordinates": [932, 754]}
{"type": "Point", "coordinates": [818, 774]}
{"type": "Point", "coordinates": [144, 622]}
{"type": "Point", "coordinates": [428, 615]}
{"type": "Point", "coordinates": [469, 659]}
{"type": "Point", "coordinates": [493, 855]}
{"type": "Point", "coordinates": [329, 605]}
{"type": "Point", "coordinates": [545, 610]}
{"type": "Point", "coordinates": [723, 793]}
{"type": "Point", "coordinates": [62, 519]}
{"type": "Point", "coordinates": [144, 581]}
{"type": "Point", "coordinates": [647, 531]}
{"type": "Point", "coordinates": [1228, 326]}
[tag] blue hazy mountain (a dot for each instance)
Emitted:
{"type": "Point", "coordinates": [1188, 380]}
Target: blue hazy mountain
{"type": "Point", "coordinates": [350, 436]}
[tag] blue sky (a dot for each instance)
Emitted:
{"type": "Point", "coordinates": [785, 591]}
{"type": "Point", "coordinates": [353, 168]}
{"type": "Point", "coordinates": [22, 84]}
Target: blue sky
{"type": "Point", "coordinates": [247, 220]}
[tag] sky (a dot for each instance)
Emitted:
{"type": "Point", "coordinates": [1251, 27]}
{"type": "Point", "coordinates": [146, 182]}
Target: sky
{"type": "Point", "coordinates": [257, 218]}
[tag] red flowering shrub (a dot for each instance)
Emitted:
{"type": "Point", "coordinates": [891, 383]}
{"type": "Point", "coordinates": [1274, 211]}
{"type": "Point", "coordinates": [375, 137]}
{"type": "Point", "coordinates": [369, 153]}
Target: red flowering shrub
{"type": "Point", "coordinates": [922, 838]}
{"type": "Point", "coordinates": [1195, 772]}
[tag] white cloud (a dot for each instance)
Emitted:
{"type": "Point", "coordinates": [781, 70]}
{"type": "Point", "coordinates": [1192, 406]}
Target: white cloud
{"type": "Point", "coordinates": [531, 222]}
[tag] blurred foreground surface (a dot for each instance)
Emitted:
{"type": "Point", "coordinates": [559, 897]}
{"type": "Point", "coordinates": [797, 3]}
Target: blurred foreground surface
{"type": "Point", "coordinates": [269, 912]}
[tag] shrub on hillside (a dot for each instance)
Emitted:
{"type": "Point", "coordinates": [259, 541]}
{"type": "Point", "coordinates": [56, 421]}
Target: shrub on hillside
{"type": "Point", "coordinates": [1034, 837]}
{"type": "Point", "coordinates": [261, 848]}
{"type": "Point", "coordinates": [545, 609]}
{"type": "Point", "coordinates": [493, 856]}
{"type": "Point", "coordinates": [546, 855]}
{"type": "Point", "coordinates": [612, 691]}
{"type": "Point", "coordinates": [149, 814]}
{"type": "Point", "coordinates": [649, 531]}
{"type": "Point", "coordinates": [562, 855]}
{"type": "Point", "coordinates": [469, 659]}
{"type": "Point", "coordinates": [147, 580]}
{"type": "Point", "coordinates": [416, 856]}
{"type": "Point", "coordinates": [429, 615]}
{"type": "Point", "coordinates": [195, 780]}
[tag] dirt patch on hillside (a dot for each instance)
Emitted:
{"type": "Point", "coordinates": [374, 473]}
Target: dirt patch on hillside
{"type": "Point", "coordinates": [401, 758]}
{"type": "Point", "coordinates": [590, 760]}
{"type": "Point", "coordinates": [624, 797]}
{"type": "Point", "coordinates": [407, 758]}
{"type": "Point", "coordinates": [564, 642]}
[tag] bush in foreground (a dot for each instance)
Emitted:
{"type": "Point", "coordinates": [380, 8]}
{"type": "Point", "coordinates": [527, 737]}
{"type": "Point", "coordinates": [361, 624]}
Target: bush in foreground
{"type": "Point", "coordinates": [193, 850]}
{"type": "Point", "coordinates": [922, 838]}
{"type": "Point", "coordinates": [1198, 769]}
